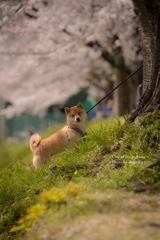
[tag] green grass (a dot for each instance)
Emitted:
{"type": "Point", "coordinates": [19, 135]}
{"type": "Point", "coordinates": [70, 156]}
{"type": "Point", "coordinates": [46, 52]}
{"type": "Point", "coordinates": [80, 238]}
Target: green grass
{"type": "Point", "coordinates": [92, 164]}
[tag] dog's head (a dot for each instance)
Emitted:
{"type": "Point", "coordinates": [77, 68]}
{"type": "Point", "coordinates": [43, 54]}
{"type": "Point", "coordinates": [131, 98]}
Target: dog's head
{"type": "Point", "coordinates": [76, 115]}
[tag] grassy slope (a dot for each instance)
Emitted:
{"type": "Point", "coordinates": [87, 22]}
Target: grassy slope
{"type": "Point", "coordinates": [105, 188]}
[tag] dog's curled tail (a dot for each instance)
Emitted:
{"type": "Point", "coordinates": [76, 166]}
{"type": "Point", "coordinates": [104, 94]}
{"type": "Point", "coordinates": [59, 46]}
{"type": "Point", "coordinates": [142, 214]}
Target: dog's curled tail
{"type": "Point", "coordinates": [34, 141]}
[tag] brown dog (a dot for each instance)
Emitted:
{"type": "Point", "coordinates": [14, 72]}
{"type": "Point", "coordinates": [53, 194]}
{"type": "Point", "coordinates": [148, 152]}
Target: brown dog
{"type": "Point", "coordinates": [44, 149]}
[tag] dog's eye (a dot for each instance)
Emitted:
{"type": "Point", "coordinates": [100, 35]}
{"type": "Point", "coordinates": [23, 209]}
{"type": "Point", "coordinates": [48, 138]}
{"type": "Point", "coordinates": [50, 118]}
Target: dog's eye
{"type": "Point", "coordinates": [73, 115]}
{"type": "Point", "coordinates": [79, 113]}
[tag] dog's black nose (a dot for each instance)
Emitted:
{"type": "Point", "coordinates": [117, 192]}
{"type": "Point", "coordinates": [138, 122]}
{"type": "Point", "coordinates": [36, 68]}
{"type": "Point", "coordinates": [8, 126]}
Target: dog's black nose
{"type": "Point", "coordinates": [78, 119]}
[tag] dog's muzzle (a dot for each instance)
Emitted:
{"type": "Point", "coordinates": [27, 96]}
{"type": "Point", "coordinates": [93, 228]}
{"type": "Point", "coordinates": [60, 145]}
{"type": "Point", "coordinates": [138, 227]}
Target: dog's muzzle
{"type": "Point", "coordinates": [78, 119]}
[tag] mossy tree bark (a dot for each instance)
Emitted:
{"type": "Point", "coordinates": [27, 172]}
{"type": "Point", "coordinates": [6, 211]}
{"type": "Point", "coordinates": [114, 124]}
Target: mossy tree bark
{"type": "Point", "coordinates": [148, 13]}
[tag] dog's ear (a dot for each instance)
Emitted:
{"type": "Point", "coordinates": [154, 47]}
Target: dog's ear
{"type": "Point", "coordinates": [80, 105]}
{"type": "Point", "coordinates": [67, 110]}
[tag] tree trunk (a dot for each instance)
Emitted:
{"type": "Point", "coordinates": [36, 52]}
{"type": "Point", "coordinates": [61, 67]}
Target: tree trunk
{"type": "Point", "coordinates": [148, 12]}
{"type": "Point", "coordinates": [121, 103]}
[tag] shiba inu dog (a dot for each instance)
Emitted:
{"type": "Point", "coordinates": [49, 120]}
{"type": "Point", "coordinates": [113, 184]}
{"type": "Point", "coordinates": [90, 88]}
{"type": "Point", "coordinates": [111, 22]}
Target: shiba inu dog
{"type": "Point", "coordinates": [44, 149]}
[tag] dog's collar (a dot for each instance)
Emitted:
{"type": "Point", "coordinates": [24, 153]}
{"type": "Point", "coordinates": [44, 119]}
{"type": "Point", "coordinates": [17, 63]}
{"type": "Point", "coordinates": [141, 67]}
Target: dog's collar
{"type": "Point", "coordinates": [78, 131]}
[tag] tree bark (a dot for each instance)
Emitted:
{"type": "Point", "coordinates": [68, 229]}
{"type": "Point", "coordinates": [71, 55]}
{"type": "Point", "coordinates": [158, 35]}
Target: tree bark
{"type": "Point", "coordinates": [148, 13]}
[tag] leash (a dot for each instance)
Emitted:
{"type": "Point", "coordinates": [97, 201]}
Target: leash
{"type": "Point", "coordinates": [129, 76]}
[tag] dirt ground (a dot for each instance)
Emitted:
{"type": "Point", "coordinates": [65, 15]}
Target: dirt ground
{"type": "Point", "coordinates": [131, 216]}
